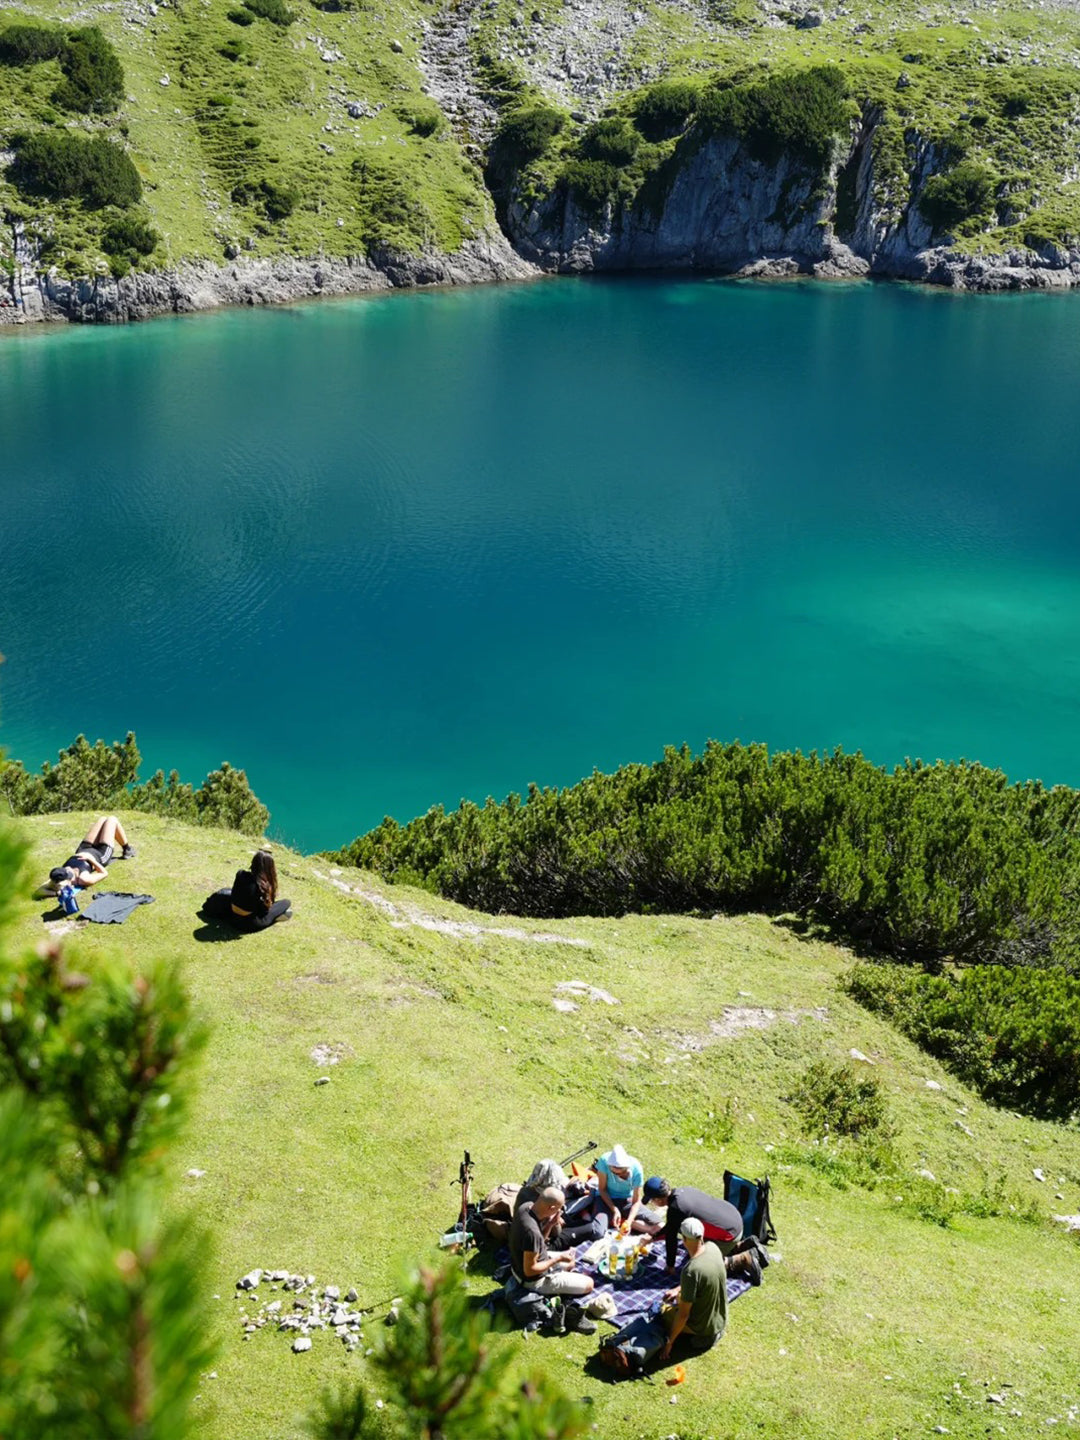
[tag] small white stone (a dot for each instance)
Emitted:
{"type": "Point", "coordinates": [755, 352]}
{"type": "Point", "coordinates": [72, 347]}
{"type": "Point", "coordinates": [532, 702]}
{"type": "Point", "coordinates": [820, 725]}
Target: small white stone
{"type": "Point", "coordinates": [323, 1080]}
{"type": "Point", "coordinates": [301, 1343]}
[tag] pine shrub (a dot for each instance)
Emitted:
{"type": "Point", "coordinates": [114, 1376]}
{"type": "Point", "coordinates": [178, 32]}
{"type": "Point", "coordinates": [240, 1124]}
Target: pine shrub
{"type": "Point", "coordinates": [66, 166]}
{"type": "Point", "coordinates": [1012, 1034]}
{"type": "Point", "coordinates": [802, 113]}
{"type": "Point", "coordinates": [93, 76]}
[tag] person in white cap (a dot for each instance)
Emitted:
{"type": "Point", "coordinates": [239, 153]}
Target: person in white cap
{"type": "Point", "coordinates": [701, 1295]}
{"type": "Point", "coordinates": [620, 1180]}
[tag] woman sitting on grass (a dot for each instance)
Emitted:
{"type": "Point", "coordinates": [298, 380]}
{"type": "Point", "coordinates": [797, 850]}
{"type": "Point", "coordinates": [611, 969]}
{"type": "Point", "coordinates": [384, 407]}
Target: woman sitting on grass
{"type": "Point", "coordinates": [252, 903]}
{"type": "Point", "coordinates": [92, 855]}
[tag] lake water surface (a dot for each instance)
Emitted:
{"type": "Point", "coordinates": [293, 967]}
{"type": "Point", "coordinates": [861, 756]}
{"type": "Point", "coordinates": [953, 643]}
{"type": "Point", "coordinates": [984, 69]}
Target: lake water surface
{"type": "Point", "coordinates": [395, 551]}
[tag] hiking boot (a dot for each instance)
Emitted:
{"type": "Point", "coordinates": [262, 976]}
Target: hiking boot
{"type": "Point", "coordinates": [128, 852]}
{"type": "Point", "coordinates": [576, 1319]}
{"type": "Point", "coordinates": [744, 1267]}
{"type": "Point", "coordinates": [754, 1246]}
{"type": "Point", "coordinates": [556, 1322]}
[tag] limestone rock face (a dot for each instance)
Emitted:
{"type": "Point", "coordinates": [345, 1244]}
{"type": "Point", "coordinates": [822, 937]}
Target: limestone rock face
{"type": "Point", "coordinates": [27, 295]}
{"type": "Point", "coordinates": [725, 211]}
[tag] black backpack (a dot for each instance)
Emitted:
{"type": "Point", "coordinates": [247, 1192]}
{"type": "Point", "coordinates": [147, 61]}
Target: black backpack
{"type": "Point", "coordinates": [751, 1199]}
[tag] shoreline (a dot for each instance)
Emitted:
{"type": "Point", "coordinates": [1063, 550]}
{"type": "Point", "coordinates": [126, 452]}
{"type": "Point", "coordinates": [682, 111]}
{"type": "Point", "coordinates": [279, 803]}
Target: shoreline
{"type": "Point", "coordinates": [200, 286]}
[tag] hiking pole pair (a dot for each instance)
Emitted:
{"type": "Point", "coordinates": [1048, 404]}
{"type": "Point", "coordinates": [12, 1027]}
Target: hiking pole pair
{"type": "Point", "coordinates": [589, 1146]}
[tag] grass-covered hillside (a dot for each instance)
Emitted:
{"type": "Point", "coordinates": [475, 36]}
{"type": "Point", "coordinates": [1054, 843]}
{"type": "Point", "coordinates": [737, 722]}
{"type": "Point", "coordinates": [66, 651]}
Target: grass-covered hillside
{"type": "Point", "coordinates": [338, 127]}
{"type": "Point", "coordinates": [923, 1287]}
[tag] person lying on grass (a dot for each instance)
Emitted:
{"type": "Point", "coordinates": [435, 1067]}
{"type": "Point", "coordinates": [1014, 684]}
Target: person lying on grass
{"type": "Point", "coordinates": [92, 855]}
{"type": "Point", "coordinates": [582, 1220]}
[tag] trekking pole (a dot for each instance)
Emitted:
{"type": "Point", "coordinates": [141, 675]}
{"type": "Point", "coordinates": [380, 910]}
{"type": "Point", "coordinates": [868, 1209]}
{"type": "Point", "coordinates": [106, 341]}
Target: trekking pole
{"type": "Point", "coordinates": [379, 1304]}
{"type": "Point", "coordinates": [585, 1149]}
{"type": "Point", "coordinates": [465, 1174]}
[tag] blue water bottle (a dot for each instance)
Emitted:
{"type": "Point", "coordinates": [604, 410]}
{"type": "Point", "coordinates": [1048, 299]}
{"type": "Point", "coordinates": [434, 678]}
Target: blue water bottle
{"type": "Point", "coordinates": [67, 898]}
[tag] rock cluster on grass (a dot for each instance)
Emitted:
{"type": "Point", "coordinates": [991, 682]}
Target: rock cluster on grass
{"type": "Point", "coordinates": [301, 1308]}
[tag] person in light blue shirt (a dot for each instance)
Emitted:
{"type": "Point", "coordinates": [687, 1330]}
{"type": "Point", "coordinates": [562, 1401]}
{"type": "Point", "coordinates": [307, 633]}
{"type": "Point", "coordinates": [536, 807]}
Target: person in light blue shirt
{"type": "Point", "coordinates": [620, 1180]}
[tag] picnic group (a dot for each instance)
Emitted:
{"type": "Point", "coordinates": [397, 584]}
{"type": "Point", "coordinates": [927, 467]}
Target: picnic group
{"type": "Point", "coordinates": [600, 1243]}
{"type": "Point", "coordinates": [608, 1244]}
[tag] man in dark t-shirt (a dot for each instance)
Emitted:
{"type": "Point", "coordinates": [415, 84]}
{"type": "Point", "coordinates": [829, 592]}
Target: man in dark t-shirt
{"type": "Point", "coordinates": [530, 1260]}
{"type": "Point", "coordinates": [721, 1220]}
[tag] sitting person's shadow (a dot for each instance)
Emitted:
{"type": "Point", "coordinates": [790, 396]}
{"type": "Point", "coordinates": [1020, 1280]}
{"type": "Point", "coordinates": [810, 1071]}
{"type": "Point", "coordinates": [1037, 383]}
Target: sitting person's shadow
{"type": "Point", "coordinates": [213, 930]}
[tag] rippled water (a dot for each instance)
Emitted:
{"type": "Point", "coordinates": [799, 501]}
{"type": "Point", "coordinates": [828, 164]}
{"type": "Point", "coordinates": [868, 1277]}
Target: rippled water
{"type": "Point", "coordinates": [393, 551]}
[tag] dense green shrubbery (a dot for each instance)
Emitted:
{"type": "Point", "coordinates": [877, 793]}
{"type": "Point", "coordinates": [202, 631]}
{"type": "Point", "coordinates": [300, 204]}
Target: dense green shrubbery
{"type": "Point", "coordinates": [103, 777]}
{"type": "Point", "coordinates": [93, 76]}
{"type": "Point", "coordinates": [523, 136]}
{"type": "Point", "coordinates": [421, 115]}
{"type": "Point", "coordinates": [614, 141]}
{"type": "Point", "coordinates": [30, 44]}
{"type": "Point", "coordinates": [962, 193]}
{"type": "Point", "coordinates": [833, 1100]}
{"type": "Point", "coordinates": [129, 238]}
{"type": "Point", "coordinates": [100, 1321]}
{"type": "Point", "coordinates": [801, 113]}
{"type": "Point", "coordinates": [276, 11]}
{"type": "Point", "coordinates": [276, 201]}
{"type": "Point", "coordinates": [663, 110]}
{"type": "Point", "coordinates": [922, 863]}
{"type": "Point", "coordinates": [592, 183]}
{"type": "Point", "coordinates": [1013, 1034]}
{"type": "Point", "coordinates": [66, 166]}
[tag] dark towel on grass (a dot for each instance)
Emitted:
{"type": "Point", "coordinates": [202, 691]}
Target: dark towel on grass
{"type": "Point", "coordinates": [112, 907]}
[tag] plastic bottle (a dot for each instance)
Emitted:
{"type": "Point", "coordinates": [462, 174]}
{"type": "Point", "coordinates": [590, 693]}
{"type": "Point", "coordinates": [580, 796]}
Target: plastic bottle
{"type": "Point", "coordinates": [68, 900]}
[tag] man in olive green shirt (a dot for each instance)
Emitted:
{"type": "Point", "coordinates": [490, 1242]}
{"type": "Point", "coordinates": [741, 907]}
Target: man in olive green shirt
{"type": "Point", "coordinates": [701, 1311]}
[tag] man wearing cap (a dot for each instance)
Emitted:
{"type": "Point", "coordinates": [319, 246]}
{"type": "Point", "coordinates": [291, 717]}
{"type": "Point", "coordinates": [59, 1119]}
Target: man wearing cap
{"type": "Point", "coordinates": [721, 1220]}
{"type": "Point", "coordinates": [700, 1312]}
{"type": "Point", "coordinates": [620, 1179]}
{"type": "Point", "coordinates": [532, 1265]}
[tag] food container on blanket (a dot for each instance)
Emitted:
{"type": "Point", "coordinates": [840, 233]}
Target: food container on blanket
{"type": "Point", "coordinates": [622, 1258]}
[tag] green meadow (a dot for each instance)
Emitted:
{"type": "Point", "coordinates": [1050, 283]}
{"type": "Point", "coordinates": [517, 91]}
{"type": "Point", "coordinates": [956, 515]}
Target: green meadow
{"type": "Point", "coordinates": [313, 129]}
{"type": "Point", "coordinates": [913, 1280]}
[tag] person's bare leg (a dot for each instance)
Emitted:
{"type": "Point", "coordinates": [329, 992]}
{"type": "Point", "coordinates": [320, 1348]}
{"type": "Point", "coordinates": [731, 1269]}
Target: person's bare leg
{"type": "Point", "coordinates": [107, 831]}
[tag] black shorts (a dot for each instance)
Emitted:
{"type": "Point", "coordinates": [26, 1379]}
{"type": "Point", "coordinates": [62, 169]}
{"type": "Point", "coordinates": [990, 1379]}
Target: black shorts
{"type": "Point", "coordinates": [101, 853]}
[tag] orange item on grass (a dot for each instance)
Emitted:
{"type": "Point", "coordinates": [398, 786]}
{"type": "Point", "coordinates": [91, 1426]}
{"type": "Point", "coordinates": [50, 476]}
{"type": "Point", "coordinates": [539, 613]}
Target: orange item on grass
{"type": "Point", "coordinates": [677, 1376]}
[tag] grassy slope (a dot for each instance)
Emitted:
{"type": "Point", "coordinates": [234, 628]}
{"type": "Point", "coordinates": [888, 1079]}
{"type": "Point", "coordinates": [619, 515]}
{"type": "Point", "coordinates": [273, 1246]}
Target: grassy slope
{"type": "Point", "coordinates": [285, 118]}
{"type": "Point", "coordinates": [284, 97]}
{"type": "Point", "coordinates": [876, 1323]}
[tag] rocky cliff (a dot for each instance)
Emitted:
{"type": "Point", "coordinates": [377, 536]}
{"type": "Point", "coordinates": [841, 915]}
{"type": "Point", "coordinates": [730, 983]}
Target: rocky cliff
{"type": "Point", "coordinates": [31, 293]}
{"type": "Point", "coordinates": [728, 212]}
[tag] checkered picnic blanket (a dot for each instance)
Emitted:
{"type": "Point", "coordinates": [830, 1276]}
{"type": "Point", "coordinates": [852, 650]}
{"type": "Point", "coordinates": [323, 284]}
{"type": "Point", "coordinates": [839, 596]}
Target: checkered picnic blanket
{"type": "Point", "coordinates": [645, 1288]}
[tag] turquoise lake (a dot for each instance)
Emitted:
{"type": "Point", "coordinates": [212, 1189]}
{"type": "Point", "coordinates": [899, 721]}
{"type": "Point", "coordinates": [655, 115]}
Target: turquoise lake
{"type": "Point", "coordinates": [393, 551]}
